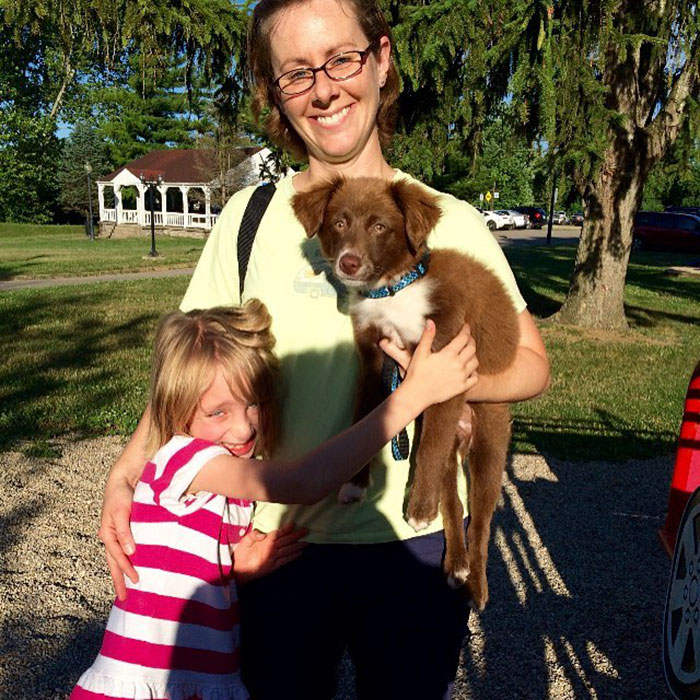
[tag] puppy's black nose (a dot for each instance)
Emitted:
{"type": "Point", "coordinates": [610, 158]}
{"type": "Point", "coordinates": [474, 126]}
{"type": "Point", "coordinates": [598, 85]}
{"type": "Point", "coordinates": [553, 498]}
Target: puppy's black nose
{"type": "Point", "coordinates": [349, 264]}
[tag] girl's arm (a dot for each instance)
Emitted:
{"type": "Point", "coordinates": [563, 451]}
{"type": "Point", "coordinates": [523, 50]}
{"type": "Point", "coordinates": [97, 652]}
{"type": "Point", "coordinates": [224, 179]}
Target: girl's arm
{"type": "Point", "coordinates": [527, 377]}
{"type": "Point", "coordinates": [430, 378]}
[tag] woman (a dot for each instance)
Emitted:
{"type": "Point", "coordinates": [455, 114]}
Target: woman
{"type": "Point", "coordinates": [323, 74]}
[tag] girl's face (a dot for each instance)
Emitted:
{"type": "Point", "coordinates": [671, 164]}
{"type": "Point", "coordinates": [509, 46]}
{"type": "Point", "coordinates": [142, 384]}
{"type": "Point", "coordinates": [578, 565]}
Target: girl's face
{"type": "Point", "coordinates": [336, 120]}
{"type": "Point", "coordinates": [225, 419]}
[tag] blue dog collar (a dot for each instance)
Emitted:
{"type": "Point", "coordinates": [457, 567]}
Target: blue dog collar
{"type": "Point", "coordinates": [415, 274]}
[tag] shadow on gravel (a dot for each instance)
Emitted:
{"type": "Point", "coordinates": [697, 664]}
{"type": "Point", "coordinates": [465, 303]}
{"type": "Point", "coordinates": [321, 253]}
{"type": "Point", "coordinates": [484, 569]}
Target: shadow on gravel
{"type": "Point", "coordinates": [14, 527]}
{"type": "Point", "coordinates": [578, 579]}
{"type": "Point", "coordinates": [56, 660]}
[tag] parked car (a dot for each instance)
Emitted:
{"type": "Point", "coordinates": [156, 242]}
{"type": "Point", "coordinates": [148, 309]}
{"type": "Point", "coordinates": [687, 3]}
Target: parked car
{"type": "Point", "coordinates": [684, 210]}
{"type": "Point", "coordinates": [492, 221]}
{"type": "Point", "coordinates": [495, 220]}
{"type": "Point", "coordinates": [507, 217]}
{"type": "Point", "coordinates": [521, 220]}
{"type": "Point", "coordinates": [666, 231]}
{"type": "Point", "coordinates": [560, 218]}
{"type": "Point", "coordinates": [537, 215]}
{"type": "Point", "coordinates": [577, 219]}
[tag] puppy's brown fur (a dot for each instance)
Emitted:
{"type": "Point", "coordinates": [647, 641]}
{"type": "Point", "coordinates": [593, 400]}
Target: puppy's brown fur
{"type": "Point", "coordinates": [373, 232]}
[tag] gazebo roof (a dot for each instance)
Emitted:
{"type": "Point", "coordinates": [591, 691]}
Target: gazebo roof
{"type": "Point", "coordinates": [178, 165]}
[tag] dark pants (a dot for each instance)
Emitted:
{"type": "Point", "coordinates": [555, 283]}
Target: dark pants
{"type": "Point", "coordinates": [389, 604]}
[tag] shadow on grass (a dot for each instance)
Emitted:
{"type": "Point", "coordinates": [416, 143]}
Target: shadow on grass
{"type": "Point", "coordinates": [539, 268]}
{"type": "Point", "coordinates": [606, 438]}
{"type": "Point", "coordinates": [648, 318]}
{"type": "Point", "coordinates": [74, 360]}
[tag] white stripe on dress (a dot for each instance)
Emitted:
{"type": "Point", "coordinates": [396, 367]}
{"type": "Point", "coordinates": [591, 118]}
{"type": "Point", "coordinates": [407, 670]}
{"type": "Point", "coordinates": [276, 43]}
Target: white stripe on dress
{"type": "Point", "coordinates": [181, 586]}
{"type": "Point", "coordinates": [156, 631]}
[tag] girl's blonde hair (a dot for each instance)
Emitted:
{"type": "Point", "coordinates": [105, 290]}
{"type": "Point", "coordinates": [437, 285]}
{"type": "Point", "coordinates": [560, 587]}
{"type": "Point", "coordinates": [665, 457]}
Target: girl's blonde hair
{"type": "Point", "coordinates": [188, 348]}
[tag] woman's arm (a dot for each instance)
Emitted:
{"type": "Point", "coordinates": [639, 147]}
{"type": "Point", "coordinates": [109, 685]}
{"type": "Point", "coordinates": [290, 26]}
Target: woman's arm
{"type": "Point", "coordinates": [116, 507]}
{"type": "Point", "coordinates": [431, 378]}
{"type": "Point", "coordinates": [527, 377]}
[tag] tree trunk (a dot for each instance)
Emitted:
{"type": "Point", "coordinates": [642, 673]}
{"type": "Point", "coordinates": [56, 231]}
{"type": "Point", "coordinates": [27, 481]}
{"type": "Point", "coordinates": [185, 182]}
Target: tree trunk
{"type": "Point", "coordinates": [68, 74]}
{"type": "Point", "coordinates": [595, 298]}
{"type": "Point", "coordinates": [636, 141]}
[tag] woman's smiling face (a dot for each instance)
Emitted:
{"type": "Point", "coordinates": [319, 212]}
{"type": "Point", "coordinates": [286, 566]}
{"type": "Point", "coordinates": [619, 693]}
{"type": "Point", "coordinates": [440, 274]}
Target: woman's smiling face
{"type": "Point", "coordinates": [336, 120]}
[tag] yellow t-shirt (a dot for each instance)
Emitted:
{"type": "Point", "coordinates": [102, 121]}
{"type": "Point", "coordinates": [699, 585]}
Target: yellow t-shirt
{"type": "Point", "coordinates": [315, 345]}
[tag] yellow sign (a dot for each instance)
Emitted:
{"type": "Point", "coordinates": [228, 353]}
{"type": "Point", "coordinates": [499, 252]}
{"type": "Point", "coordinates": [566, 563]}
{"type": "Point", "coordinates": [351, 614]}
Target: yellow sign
{"type": "Point", "coordinates": [488, 197]}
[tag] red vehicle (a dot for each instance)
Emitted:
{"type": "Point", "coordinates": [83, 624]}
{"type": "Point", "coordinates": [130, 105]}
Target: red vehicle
{"type": "Point", "coordinates": [666, 231]}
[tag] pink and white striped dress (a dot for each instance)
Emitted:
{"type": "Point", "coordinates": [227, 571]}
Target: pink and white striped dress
{"type": "Point", "coordinates": [176, 636]}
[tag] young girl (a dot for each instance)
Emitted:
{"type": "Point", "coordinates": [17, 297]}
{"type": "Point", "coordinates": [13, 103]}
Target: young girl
{"type": "Point", "coordinates": [213, 409]}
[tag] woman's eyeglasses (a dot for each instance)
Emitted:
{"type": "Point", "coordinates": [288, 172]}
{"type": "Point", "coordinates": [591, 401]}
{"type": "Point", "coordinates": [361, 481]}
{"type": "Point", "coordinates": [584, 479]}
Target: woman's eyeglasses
{"type": "Point", "coordinates": [339, 67]}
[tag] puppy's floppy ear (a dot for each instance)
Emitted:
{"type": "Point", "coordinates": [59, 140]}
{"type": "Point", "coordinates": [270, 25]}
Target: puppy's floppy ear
{"type": "Point", "coordinates": [419, 208]}
{"type": "Point", "coordinates": [310, 206]}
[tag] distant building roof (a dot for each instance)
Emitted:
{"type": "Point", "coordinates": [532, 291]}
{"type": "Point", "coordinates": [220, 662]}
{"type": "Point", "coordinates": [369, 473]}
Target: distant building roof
{"type": "Point", "coordinates": [179, 164]}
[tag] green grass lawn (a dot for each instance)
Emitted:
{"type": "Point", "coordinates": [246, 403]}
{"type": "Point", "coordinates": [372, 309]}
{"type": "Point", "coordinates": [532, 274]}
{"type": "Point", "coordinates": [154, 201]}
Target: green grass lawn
{"type": "Point", "coordinates": [75, 360]}
{"type": "Point", "coordinates": [613, 395]}
{"type": "Point", "coordinates": [28, 251]}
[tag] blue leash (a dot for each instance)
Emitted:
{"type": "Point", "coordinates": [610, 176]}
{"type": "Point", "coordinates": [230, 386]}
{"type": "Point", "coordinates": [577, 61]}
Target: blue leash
{"type": "Point", "coordinates": [400, 446]}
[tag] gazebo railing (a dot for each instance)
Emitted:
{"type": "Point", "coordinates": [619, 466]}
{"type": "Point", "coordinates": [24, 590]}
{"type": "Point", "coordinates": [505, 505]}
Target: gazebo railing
{"type": "Point", "coordinates": [129, 216]}
{"type": "Point", "coordinates": [173, 219]}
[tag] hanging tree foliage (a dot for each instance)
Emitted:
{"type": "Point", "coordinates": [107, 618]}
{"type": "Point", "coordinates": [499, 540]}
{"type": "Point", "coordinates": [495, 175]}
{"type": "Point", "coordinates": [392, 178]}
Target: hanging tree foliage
{"type": "Point", "coordinates": [606, 85]}
{"type": "Point", "coordinates": [81, 36]}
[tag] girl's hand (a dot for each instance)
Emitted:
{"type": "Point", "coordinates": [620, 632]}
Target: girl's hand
{"type": "Point", "coordinates": [116, 535]}
{"type": "Point", "coordinates": [258, 554]}
{"type": "Point", "coordinates": [438, 376]}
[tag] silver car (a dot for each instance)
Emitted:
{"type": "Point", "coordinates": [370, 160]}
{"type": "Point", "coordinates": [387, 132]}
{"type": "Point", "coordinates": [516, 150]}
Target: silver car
{"type": "Point", "coordinates": [520, 220]}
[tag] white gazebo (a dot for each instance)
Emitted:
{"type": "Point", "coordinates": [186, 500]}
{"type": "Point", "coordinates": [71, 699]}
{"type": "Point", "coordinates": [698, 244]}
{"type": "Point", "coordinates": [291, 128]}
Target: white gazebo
{"type": "Point", "coordinates": [186, 180]}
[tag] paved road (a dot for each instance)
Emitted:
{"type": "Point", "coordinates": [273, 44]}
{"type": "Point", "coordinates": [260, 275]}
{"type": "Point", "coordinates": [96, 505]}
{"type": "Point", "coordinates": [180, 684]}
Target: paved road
{"type": "Point", "coordinates": [561, 235]}
{"type": "Point", "coordinates": [8, 285]}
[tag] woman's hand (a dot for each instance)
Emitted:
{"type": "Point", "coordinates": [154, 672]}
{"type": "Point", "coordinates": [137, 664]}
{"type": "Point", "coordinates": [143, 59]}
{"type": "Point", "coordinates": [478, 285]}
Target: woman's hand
{"type": "Point", "coordinates": [258, 553]}
{"type": "Point", "coordinates": [115, 532]}
{"type": "Point", "coordinates": [438, 376]}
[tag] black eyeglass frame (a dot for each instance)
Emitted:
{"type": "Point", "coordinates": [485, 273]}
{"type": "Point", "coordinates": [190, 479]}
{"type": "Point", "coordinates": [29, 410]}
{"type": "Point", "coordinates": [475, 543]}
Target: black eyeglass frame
{"type": "Point", "coordinates": [363, 59]}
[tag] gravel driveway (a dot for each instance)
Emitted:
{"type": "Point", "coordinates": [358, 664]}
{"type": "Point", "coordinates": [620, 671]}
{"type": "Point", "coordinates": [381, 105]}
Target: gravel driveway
{"type": "Point", "coordinates": [577, 579]}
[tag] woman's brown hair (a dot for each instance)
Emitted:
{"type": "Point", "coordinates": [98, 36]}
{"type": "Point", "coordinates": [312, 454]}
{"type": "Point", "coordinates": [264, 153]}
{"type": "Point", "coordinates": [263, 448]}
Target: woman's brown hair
{"type": "Point", "coordinates": [265, 104]}
{"type": "Point", "coordinates": [188, 349]}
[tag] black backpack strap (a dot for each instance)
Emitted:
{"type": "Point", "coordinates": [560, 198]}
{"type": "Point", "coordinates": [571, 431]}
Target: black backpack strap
{"type": "Point", "coordinates": [256, 207]}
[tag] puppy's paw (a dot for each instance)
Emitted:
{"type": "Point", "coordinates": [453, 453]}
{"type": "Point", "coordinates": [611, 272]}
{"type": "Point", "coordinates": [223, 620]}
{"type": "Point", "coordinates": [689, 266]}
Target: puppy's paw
{"type": "Point", "coordinates": [456, 579]}
{"type": "Point", "coordinates": [418, 525]}
{"type": "Point", "coordinates": [478, 594]}
{"type": "Point", "coordinates": [351, 493]}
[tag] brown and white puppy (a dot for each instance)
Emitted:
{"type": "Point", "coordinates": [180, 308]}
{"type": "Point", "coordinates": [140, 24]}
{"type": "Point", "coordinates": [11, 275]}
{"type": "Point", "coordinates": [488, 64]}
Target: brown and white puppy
{"type": "Point", "coordinates": [373, 232]}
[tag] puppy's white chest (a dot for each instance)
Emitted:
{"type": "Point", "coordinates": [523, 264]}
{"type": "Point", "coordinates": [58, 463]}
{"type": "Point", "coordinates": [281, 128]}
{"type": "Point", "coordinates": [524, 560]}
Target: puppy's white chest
{"type": "Point", "coordinates": [401, 317]}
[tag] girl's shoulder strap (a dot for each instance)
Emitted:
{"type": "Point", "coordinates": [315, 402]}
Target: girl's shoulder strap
{"type": "Point", "coordinates": [256, 207]}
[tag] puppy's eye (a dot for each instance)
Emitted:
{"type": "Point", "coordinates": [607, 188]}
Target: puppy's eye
{"type": "Point", "coordinates": [339, 225]}
{"type": "Point", "coordinates": [379, 228]}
